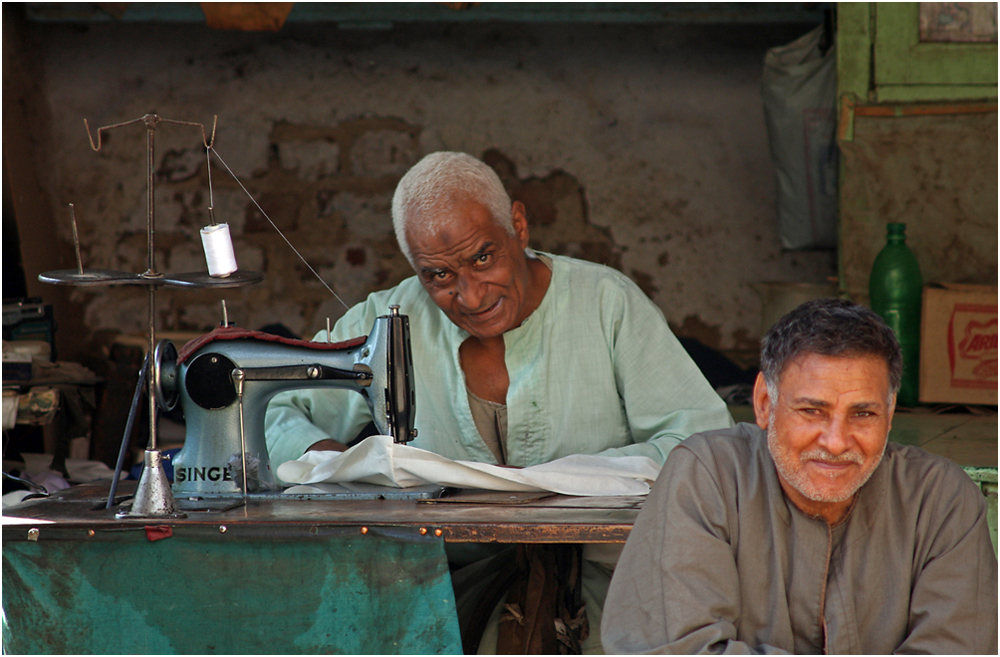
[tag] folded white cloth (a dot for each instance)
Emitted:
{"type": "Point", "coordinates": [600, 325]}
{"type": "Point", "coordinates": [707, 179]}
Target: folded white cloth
{"type": "Point", "coordinates": [378, 460]}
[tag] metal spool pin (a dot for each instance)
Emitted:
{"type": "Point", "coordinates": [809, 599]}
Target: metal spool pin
{"type": "Point", "coordinates": [153, 497]}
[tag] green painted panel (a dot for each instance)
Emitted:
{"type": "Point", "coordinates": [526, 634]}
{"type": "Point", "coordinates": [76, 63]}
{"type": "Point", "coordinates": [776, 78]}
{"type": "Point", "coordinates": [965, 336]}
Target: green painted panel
{"type": "Point", "coordinates": [902, 60]}
{"type": "Point", "coordinates": [854, 49]}
{"type": "Point", "coordinates": [905, 70]}
{"type": "Point", "coordinates": [119, 593]}
{"type": "Point", "coordinates": [991, 498]}
{"type": "Point", "coordinates": [987, 479]}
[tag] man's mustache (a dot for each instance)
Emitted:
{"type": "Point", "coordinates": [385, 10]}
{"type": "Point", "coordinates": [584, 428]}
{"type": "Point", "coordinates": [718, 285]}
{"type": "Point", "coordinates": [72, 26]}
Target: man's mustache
{"type": "Point", "coordinates": [820, 454]}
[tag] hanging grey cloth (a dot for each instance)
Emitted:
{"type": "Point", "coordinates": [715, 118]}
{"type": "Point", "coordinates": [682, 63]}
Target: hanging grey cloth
{"type": "Point", "coordinates": [799, 87]}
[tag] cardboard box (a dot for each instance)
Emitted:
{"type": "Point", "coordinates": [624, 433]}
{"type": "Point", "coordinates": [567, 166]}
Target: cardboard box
{"type": "Point", "coordinates": [958, 344]}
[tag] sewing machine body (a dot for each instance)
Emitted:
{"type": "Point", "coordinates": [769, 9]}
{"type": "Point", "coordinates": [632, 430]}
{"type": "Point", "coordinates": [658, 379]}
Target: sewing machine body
{"type": "Point", "coordinates": [225, 380]}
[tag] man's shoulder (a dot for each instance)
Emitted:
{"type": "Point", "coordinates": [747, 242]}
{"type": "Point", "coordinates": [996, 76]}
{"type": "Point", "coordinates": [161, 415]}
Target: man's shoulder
{"type": "Point", "coordinates": [731, 448]}
{"type": "Point", "coordinates": [915, 472]}
{"type": "Point", "coordinates": [577, 270]}
{"type": "Point", "coordinates": [408, 294]}
{"type": "Point", "coordinates": [730, 464]}
{"type": "Point", "coordinates": [409, 290]}
{"type": "Point", "coordinates": [594, 286]}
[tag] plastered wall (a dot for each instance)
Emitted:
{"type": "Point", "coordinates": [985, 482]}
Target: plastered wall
{"type": "Point", "coordinates": [642, 147]}
{"type": "Point", "coordinates": [936, 174]}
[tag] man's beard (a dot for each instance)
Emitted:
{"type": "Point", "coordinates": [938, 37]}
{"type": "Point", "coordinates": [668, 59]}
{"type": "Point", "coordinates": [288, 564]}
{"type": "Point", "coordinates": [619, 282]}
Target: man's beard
{"type": "Point", "coordinates": [796, 477]}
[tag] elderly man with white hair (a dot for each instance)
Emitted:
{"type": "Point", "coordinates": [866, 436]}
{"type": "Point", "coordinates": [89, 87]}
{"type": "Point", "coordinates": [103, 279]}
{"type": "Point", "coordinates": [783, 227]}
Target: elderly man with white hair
{"type": "Point", "coordinates": [519, 357]}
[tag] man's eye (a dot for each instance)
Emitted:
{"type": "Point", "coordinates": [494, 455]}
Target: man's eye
{"type": "Point", "coordinates": [438, 277]}
{"type": "Point", "coordinates": [483, 258]}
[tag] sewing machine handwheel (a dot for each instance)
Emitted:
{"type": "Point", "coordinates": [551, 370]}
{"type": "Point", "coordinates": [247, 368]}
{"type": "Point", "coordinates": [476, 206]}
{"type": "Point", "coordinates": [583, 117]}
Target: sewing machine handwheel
{"type": "Point", "coordinates": [165, 374]}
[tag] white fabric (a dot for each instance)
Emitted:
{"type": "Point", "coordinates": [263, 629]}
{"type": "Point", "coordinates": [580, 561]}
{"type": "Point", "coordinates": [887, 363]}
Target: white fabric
{"type": "Point", "coordinates": [80, 471]}
{"type": "Point", "coordinates": [377, 460]}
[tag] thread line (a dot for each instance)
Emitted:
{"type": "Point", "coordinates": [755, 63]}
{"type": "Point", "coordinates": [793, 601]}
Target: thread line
{"type": "Point", "coordinates": [211, 195]}
{"type": "Point", "coordinates": [296, 251]}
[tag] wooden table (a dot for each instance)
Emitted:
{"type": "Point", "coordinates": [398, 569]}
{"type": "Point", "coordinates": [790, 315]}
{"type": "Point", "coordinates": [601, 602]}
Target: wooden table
{"type": "Point", "coordinates": [272, 575]}
{"type": "Point", "coordinates": [459, 517]}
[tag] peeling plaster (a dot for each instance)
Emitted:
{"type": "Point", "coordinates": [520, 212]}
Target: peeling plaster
{"type": "Point", "coordinates": [643, 148]}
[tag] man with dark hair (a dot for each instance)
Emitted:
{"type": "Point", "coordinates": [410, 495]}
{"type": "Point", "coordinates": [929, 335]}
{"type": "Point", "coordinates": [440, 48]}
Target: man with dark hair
{"type": "Point", "coordinates": [809, 532]}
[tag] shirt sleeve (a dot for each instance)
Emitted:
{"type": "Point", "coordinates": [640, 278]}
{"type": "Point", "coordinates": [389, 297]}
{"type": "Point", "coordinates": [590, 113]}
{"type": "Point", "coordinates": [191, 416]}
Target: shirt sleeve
{"type": "Point", "coordinates": [297, 419]}
{"type": "Point", "coordinates": [676, 588]}
{"type": "Point", "coordinates": [665, 396]}
{"type": "Point", "coordinates": [953, 604]}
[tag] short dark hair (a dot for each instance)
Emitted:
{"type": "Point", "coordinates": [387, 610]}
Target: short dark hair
{"type": "Point", "coordinates": [829, 327]}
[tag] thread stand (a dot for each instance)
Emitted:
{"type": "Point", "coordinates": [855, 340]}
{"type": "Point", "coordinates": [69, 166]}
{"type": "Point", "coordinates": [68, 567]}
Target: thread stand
{"type": "Point", "coordinates": [153, 496]}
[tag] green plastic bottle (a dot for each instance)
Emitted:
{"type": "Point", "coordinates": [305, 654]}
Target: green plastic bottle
{"type": "Point", "coordinates": [896, 291]}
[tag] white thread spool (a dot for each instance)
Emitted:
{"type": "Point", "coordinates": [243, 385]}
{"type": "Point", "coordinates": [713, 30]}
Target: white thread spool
{"type": "Point", "coordinates": [218, 250]}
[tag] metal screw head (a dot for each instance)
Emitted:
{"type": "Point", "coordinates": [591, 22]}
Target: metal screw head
{"type": "Point", "coordinates": [312, 372]}
{"type": "Point", "coordinates": [223, 529]}
{"type": "Point", "coordinates": [91, 532]}
{"type": "Point", "coordinates": [438, 532]}
{"type": "Point", "coordinates": [33, 534]}
{"type": "Point", "coordinates": [364, 530]}
{"type": "Point", "coordinates": [422, 530]}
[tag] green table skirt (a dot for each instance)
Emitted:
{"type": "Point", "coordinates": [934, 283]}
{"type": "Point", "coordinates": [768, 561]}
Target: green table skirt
{"type": "Point", "coordinates": [203, 591]}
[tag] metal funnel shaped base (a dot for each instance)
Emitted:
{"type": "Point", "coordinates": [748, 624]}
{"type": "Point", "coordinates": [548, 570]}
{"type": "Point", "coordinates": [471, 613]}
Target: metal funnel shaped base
{"type": "Point", "coordinates": [153, 497]}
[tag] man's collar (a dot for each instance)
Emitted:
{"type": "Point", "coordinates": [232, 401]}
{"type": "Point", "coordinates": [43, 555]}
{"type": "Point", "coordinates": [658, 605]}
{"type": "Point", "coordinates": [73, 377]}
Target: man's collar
{"type": "Point", "coordinates": [873, 495]}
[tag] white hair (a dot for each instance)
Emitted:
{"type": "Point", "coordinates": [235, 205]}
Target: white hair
{"type": "Point", "coordinates": [425, 194]}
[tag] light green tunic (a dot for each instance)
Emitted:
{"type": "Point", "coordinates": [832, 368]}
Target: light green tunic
{"type": "Point", "coordinates": [593, 369]}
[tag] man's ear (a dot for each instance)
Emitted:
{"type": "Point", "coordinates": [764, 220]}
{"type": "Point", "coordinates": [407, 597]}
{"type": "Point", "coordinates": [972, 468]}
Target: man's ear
{"type": "Point", "coordinates": [761, 401]}
{"type": "Point", "coordinates": [519, 217]}
{"type": "Point", "coordinates": [892, 412]}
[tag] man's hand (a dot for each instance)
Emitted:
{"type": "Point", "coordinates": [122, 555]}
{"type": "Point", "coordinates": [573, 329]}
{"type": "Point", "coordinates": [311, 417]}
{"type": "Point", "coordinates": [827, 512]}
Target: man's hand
{"type": "Point", "coordinates": [328, 445]}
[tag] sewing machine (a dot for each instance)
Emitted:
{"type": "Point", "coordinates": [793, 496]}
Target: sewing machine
{"type": "Point", "coordinates": [224, 380]}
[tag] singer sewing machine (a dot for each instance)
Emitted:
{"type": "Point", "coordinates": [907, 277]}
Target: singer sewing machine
{"type": "Point", "coordinates": [224, 380]}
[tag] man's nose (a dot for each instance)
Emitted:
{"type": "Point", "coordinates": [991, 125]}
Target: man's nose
{"type": "Point", "coordinates": [470, 293]}
{"type": "Point", "coordinates": [837, 439]}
